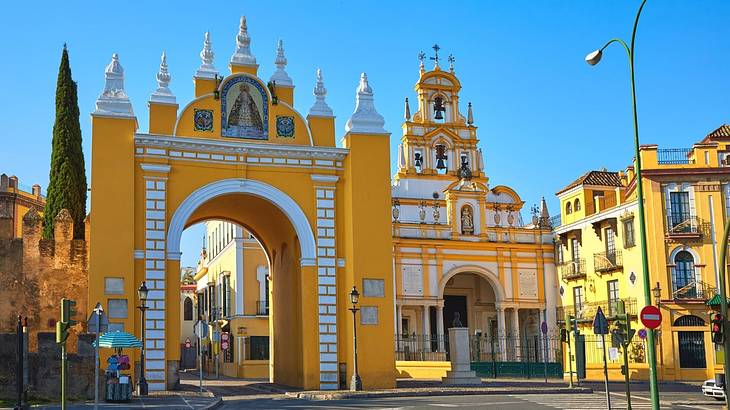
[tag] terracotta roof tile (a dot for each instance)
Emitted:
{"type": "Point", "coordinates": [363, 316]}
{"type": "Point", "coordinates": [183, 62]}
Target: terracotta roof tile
{"type": "Point", "coordinates": [599, 178]}
{"type": "Point", "coordinates": [719, 134]}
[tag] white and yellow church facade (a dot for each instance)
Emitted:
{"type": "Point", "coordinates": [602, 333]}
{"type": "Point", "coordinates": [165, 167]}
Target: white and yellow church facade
{"type": "Point", "coordinates": [460, 246]}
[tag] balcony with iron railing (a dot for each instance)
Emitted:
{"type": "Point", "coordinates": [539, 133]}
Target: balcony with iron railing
{"type": "Point", "coordinates": [675, 156]}
{"type": "Point", "coordinates": [262, 307]}
{"type": "Point", "coordinates": [696, 290]}
{"type": "Point", "coordinates": [571, 270]}
{"type": "Point", "coordinates": [604, 262]}
{"type": "Point", "coordinates": [681, 226]}
{"type": "Point", "coordinates": [588, 310]}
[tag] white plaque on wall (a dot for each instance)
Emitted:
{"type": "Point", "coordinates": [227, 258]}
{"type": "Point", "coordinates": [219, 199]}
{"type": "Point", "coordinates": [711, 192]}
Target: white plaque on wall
{"type": "Point", "coordinates": [528, 284]}
{"type": "Point", "coordinates": [369, 315]}
{"type": "Point", "coordinates": [412, 280]}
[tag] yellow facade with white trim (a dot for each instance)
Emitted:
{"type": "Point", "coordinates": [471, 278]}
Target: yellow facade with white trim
{"type": "Point", "coordinates": [319, 211]}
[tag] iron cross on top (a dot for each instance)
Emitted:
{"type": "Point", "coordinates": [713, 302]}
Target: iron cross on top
{"type": "Point", "coordinates": [436, 49]}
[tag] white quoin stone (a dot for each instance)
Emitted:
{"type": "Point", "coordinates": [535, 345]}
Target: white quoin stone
{"type": "Point", "coordinates": [280, 77]}
{"type": "Point", "coordinates": [113, 101]}
{"type": "Point", "coordinates": [207, 70]}
{"type": "Point", "coordinates": [163, 94]}
{"type": "Point", "coordinates": [243, 55]}
{"type": "Point", "coordinates": [320, 107]}
{"type": "Point", "coordinates": [365, 119]}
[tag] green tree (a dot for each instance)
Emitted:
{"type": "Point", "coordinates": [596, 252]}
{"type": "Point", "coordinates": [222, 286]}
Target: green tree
{"type": "Point", "coordinates": [67, 186]}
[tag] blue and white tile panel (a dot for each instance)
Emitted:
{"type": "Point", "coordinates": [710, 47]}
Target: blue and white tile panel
{"type": "Point", "coordinates": [326, 268]}
{"type": "Point", "coordinates": [155, 364]}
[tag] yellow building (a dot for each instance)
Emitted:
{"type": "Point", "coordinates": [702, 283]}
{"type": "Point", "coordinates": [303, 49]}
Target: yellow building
{"type": "Point", "coordinates": [239, 152]}
{"type": "Point", "coordinates": [15, 202]}
{"type": "Point", "coordinates": [460, 246]}
{"type": "Point", "coordinates": [233, 290]}
{"type": "Point", "coordinates": [687, 197]}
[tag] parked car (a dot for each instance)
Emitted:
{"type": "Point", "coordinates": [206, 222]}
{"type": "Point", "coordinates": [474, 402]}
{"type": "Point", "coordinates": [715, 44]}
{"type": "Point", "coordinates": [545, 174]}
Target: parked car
{"type": "Point", "coordinates": [710, 389]}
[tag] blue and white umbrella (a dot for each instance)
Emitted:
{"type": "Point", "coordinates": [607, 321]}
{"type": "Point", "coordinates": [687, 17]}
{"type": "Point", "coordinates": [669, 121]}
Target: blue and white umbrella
{"type": "Point", "coordinates": [118, 340]}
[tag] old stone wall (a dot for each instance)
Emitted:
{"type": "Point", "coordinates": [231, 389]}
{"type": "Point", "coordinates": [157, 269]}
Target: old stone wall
{"type": "Point", "coordinates": [44, 368]}
{"type": "Point", "coordinates": [36, 273]}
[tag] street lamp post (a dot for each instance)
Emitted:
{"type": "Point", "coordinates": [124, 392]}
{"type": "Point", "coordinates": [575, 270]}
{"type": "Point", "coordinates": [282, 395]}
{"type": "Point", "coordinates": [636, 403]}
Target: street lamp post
{"type": "Point", "coordinates": [593, 59]}
{"type": "Point", "coordinates": [142, 385]}
{"type": "Point", "coordinates": [355, 382]}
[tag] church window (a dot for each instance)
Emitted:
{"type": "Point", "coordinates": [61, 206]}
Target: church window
{"type": "Point", "coordinates": [576, 205]}
{"type": "Point", "coordinates": [188, 309]}
{"type": "Point", "coordinates": [568, 208]}
{"type": "Point", "coordinates": [439, 109]}
{"type": "Point", "coordinates": [418, 161]}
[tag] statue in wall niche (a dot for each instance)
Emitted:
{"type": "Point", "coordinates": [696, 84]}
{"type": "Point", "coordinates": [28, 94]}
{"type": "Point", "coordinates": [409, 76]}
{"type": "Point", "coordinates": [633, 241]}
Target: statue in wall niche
{"type": "Point", "coordinates": [467, 221]}
{"type": "Point", "coordinates": [457, 320]}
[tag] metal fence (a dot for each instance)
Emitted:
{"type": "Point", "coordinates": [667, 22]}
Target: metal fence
{"type": "Point", "coordinates": [594, 350]}
{"type": "Point", "coordinates": [675, 156]}
{"type": "Point", "coordinates": [421, 348]}
{"type": "Point", "coordinates": [513, 349]}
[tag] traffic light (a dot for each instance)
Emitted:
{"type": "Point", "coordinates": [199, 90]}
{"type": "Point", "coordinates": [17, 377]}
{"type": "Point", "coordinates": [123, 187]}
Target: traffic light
{"type": "Point", "coordinates": [622, 333]}
{"type": "Point", "coordinates": [563, 335]}
{"type": "Point", "coordinates": [61, 332]}
{"type": "Point", "coordinates": [716, 328]}
{"type": "Point", "coordinates": [68, 311]}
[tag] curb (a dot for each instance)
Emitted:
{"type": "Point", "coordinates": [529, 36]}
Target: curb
{"type": "Point", "coordinates": [315, 396]}
{"type": "Point", "coordinates": [698, 403]}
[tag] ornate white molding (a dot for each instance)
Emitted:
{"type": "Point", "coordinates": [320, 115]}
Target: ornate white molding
{"type": "Point", "coordinates": [113, 101]}
{"type": "Point", "coordinates": [155, 168]}
{"type": "Point", "coordinates": [243, 55]}
{"type": "Point", "coordinates": [325, 178]}
{"type": "Point", "coordinates": [280, 77]}
{"type": "Point", "coordinates": [320, 107]}
{"type": "Point", "coordinates": [207, 145]}
{"type": "Point", "coordinates": [207, 70]}
{"type": "Point", "coordinates": [365, 119]}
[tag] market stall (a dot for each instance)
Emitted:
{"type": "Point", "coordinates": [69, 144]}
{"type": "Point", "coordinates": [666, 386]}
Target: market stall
{"type": "Point", "coordinates": [118, 386]}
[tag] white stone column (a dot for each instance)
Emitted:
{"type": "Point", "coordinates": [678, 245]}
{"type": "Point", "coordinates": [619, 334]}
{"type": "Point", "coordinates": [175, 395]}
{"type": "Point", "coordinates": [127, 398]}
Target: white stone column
{"type": "Point", "coordinates": [426, 329]}
{"type": "Point", "coordinates": [516, 331]}
{"type": "Point", "coordinates": [399, 325]}
{"type": "Point", "coordinates": [440, 327]}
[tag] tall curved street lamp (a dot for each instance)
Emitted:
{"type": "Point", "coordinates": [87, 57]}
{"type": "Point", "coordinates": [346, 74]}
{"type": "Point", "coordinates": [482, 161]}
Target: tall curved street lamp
{"type": "Point", "coordinates": [593, 59]}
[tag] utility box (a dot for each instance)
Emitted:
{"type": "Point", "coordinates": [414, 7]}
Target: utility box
{"type": "Point", "coordinates": [580, 356]}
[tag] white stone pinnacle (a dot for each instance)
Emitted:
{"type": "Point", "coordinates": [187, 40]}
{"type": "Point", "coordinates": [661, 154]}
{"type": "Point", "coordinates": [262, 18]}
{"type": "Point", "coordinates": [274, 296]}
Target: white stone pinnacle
{"type": "Point", "coordinates": [113, 101]}
{"type": "Point", "coordinates": [320, 107]}
{"type": "Point", "coordinates": [207, 70]}
{"type": "Point", "coordinates": [163, 94]}
{"type": "Point", "coordinates": [365, 119]}
{"type": "Point", "coordinates": [243, 55]}
{"type": "Point", "coordinates": [280, 77]}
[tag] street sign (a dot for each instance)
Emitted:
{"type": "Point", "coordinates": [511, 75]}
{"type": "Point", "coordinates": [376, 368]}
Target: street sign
{"type": "Point", "coordinates": [187, 343]}
{"type": "Point", "coordinates": [651, 316]}
{"type": "Point", "coordinates": [544, 328]}
{"type": "Point", "coordinates": [200, 329]}
{"type": "Point", "coordinates": [224, 345]}
{"type": "Point", "coordinates": [642, 334]}
{"type": "Point", "coordinates": [600, 323]}
{"type": "Point", "coordinates": [103, 322]}
{"type": "Point", "coordinates": [224, 336]}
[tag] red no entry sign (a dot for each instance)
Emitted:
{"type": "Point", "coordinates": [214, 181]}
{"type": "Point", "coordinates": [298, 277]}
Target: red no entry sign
{"type": "Point", "coordinates": [651, 317]}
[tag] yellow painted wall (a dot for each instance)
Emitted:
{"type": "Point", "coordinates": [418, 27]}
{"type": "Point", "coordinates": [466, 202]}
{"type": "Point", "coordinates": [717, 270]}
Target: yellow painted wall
{"type": "Point", "coordinates": [421, 370]}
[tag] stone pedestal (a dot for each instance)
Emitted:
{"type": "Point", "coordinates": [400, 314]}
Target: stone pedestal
{"type": "Point", "coordinates": [460, 354]}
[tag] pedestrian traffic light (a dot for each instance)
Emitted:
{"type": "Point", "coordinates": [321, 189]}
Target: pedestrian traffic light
{"type": "Point", "coordinates": [716, 328]}
{"type": "Point", "coordinates": [68, 311]}
{"type": "Point", "coordinates": [622, 332]}
{"type": "Point", "coordinates": [563, 335]}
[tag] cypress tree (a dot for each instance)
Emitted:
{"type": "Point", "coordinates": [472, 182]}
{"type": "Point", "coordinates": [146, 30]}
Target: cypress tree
{"type": "Point", "coordinates": [67, 186]}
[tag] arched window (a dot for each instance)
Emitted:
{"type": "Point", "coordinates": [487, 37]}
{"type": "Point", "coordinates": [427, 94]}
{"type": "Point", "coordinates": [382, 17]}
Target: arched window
{"type": "Point", "coordinates": [691, 343]}
{"type": "Point", "coordinates": [683, 275]}
{"type": "Point", "coordinates": [576, 205]}
{"type": "Point", "coordinates": [568, 208]}
{"type": "Point", "coordinates": [188, 309]}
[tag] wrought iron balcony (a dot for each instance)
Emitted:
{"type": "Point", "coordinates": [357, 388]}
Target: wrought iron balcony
{"type": "Point", "coordinates": [686, 226]}
{"type": "Point", "coordinates": [694, 291]}
{"type": "Point", "coordinates": [675, 156]}
{"type": "Point", "coordinates": [570, 270]}
{"type": "Point", "coordinates": [604, 262]}
{"type": "Point", "coordinates": [262, 307]}
{"type": "Point", "coordinates": [587, 311]}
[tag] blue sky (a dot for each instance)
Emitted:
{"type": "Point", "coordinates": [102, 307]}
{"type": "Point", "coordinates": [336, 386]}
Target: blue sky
{"type": "Point", "coordinates": [544, 116]}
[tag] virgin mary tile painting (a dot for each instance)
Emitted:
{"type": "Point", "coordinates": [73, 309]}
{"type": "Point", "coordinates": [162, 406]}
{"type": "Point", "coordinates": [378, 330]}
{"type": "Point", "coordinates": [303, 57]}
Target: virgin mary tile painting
{"type": "Point", "coordinates": [245, 112]}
